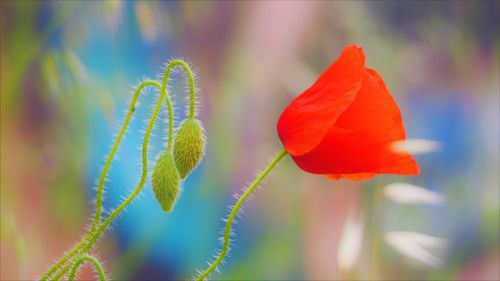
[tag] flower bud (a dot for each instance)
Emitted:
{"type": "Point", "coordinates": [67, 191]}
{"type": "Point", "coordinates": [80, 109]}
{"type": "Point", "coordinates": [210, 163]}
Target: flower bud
{"type": "Point", "coordinates": [189, 146]}
{"type": "Point", "coordinates": [165, 181]}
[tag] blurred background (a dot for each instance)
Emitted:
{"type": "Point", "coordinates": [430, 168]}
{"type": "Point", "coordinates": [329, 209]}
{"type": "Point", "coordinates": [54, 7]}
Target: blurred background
{"type": "Point", "coordinates": [67, 72]}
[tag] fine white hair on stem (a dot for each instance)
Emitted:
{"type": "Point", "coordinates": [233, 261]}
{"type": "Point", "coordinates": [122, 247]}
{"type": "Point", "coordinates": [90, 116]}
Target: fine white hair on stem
{"type": "Point", "coordinates": [186, 85]}
{"type": "Point", "coordinates": [88, 264]}
{"type": "Point", "coordinates": [90, 239]}
{"type": "Point", "coordinates": [228, 235]}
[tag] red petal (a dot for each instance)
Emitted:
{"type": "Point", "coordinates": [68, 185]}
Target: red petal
{"type": "Point", "coordinates": [307, 119]}
{"type": "Point", "coordinates": [354, 177]}
{"type": "Point", "coordinates": [360, 139]}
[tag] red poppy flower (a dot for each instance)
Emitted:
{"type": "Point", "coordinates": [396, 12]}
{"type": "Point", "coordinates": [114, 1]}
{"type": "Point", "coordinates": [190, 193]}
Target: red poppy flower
{"type": "Point", "coordinates": [344, 124]}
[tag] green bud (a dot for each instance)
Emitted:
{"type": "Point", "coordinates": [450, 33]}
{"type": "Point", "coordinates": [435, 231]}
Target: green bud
{"type": "Point", "coordinates": [165, 181]}
{"type": "Point", "coordinates": [189, 146]}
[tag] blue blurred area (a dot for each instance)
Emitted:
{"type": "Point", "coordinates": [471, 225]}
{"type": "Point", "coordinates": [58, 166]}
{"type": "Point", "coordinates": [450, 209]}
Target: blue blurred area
{"type": "Point", "coordinates": [448, 119]}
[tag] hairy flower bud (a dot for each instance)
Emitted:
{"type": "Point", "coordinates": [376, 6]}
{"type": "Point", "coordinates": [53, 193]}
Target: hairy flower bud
{"type": "Point", "coordinates": [189, 146]}
{"type": "Point", "coordinates": [165, 181]}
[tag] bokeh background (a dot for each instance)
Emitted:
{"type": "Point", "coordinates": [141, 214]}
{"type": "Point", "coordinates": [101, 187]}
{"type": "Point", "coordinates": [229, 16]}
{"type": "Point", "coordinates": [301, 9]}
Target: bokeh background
{"type": "Point", "coordinates": [67, 72]}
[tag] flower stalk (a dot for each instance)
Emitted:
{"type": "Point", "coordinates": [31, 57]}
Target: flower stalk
{"type": "Point", "coordinates": [234, 211]}
{"type": "Point", "coordinates": [78, 254]}
{"type": "Point", "coordinates": [87, 258]}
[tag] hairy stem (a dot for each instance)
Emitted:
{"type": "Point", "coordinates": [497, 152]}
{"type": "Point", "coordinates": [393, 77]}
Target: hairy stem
{"type": "Point", "coordinates": [137, 190]}
{"type": "Point", "coordinates": [91, 259]}
{"type": "Point", "coordinates": [62, 261]}
{"type": "Point", "coordinates": [59, 274]}
{"type": "Point", "coordinates": [131, 110]}
{"type": "Point", "coordinates": [60, 268]}
{"type": "Point", "coordinates": [57, 265]}
{"type": "Point", "coordinates": [142, 181]}
{"type": "Point", "coordinates": [234, 211]}
{"type": "Point", "coordinates": [190, 76]}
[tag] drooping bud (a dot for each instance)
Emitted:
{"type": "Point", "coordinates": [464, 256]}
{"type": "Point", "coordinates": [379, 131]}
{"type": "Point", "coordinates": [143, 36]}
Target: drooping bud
{"type": "Point", "coordinates": [189, 146]}
{"type": "Point", "coordinates": [165, 181]}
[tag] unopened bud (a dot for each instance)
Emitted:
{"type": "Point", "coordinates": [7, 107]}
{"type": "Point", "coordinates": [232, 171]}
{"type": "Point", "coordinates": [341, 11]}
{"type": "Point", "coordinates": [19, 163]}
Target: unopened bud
{"type": "Point", "coordinates": [189, 146]}
{"type": "Point", "coordinates": [165, 181]}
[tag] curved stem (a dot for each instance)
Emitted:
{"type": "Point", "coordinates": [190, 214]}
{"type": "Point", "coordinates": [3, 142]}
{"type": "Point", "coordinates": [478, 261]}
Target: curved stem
{"type": "Point", "coordinates": [142, 181]}
{"type": "Point", "coordinates": [234, 211]}
{"type": "Point", "coordinates": [102, 179]}
{"type": "Point", "coordinates": [190, 76]}
{"type": "Point", "coordinates": [97, 228]}
{"type": "Point", "coordinates": [62, 261]}
{"type": "Point", "coordinates": [91, 259]}
{"type": "Point", "coordinates": [104, 172]}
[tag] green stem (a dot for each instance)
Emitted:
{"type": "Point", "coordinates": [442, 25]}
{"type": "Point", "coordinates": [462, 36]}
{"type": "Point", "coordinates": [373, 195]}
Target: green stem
{"type": "Point", "coordinates": [62, 261]}
{"type": "Point", "coordinates": [97, 229]}
{"type": "Point", "coordinates": [190, 76]}
{"type": "Point", "coordinates": [61, 272]}
{"type": "Point", "coordinates": [104, 172]}
{"type": "Point", "coordinates": [142, 181]}
{"type": "Point", "coordinates": [94, 235]}
{"type": "Point", "coordinates": [234, 211]}
{"type": "Point", "coordinates": [163, 92]}
{"type": "Point", "coordinates": [107, 165]}
{"type": "Point", "coordinates": [91, 259]}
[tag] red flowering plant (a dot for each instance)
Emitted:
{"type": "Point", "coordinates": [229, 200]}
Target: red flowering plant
{"type": "Point", "coordinates": [343, 126]}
